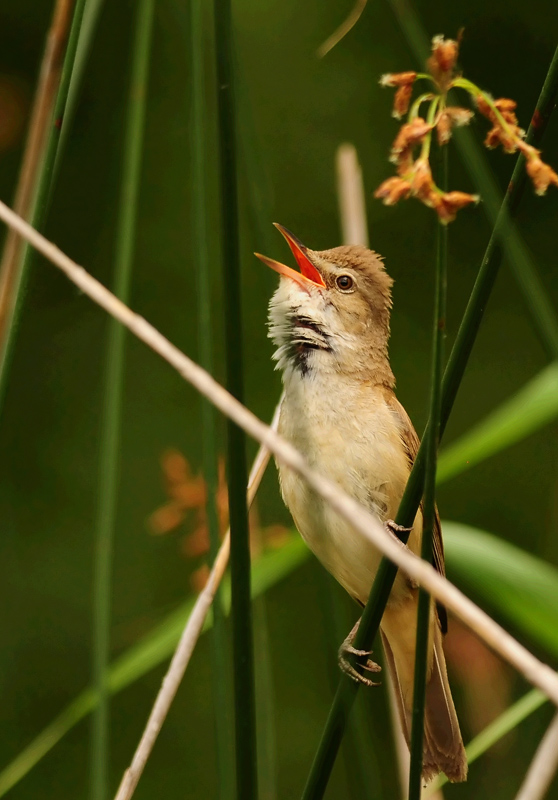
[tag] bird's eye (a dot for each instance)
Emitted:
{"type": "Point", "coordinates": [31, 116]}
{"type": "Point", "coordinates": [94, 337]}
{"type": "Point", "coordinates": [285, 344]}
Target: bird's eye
{"type": "Point", "coordinates": [344, 282]}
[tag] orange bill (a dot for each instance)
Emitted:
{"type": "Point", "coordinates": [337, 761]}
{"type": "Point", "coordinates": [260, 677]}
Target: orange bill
{"type": "Point", "coordinates": [308, 272]}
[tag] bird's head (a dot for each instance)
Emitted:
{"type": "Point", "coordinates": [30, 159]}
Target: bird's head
{"type": "Point", "coordinates": [333, 315]}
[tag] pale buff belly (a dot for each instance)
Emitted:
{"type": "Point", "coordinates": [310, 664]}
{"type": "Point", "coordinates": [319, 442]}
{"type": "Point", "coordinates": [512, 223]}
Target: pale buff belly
{"type": "Point", "coordinates": [362, 452]}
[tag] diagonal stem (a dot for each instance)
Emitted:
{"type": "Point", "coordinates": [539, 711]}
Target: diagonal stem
{"type": "Point", "coordinates": [543, 767]}
{"type": "Point", "coordinates": [455, 369]}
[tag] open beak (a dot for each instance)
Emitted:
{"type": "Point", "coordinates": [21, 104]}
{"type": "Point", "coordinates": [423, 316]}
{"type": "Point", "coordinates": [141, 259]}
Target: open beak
{"type": "Point", "coordinates": [308, 272]}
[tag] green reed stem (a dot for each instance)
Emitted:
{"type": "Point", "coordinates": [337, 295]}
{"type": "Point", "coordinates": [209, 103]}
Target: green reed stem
{"type": "Point", "coordinates": [453, 375]}
{"type": "Point", "coordinates": [358, 758]}
{"type": "Point", "coordinates": [44, 182]}
{"type": "Point", "coordinates": [220, 643]}
{"type": "Point", "coordinates": [86, 34]}
{"type": "Point", "coordinates": [110, 432]}
{"type": "Point", "coordinates": [432, 438]}
{"type": "Point", "coordinates": [243, 647]}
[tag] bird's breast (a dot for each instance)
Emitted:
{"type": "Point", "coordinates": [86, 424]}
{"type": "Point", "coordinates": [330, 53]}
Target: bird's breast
{"type": "Point", "coordinates": [348, 432]}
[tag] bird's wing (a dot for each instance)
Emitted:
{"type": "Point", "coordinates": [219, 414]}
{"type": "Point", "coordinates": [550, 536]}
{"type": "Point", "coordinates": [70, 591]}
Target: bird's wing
{"type": "Point", "coordinates": [412, 443]}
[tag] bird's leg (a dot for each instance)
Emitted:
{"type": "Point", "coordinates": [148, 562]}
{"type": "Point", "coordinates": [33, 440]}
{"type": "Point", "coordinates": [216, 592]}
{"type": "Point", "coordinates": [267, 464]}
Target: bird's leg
{"type": "Point", "coordinates": [396, 530]}
{"type": "Point", "coordinates": [346, 667]}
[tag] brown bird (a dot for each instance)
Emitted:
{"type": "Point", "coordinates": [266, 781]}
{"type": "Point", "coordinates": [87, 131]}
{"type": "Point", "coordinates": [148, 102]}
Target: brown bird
{"type": "Point", "coordinates": [330, 323]}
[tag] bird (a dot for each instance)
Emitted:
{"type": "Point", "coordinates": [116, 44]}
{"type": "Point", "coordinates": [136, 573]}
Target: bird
{"type": "Point", "coordinates": [330, 324]}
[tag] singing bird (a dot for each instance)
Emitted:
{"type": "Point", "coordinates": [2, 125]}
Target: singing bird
{"type": "Point", "coordinates": [330, 323]}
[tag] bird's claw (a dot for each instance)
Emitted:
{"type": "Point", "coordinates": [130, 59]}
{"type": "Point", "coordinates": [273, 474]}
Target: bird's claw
{"type": "Point", "coordinates": [396, 530]}
{"type": "Point", "coordinates": [346, 667]}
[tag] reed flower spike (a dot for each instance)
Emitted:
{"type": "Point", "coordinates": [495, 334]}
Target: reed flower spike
{"type": "Point", "coordinates": [414, 174]}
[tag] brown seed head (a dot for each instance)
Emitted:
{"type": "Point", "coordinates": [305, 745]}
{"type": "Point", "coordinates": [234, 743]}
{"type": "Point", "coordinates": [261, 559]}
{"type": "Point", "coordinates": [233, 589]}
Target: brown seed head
{"type": "Point", "coordinates": [441, 63]}
{"type": "Point", "coordinates": [422, 183]}
{"type": "Point", "coordinates": [410, 134]}
{"type": "Point", "coordinates": [450, 203]}
{"type": "Point", "coordinates": [509, 135]}
{"type": "Point", "coordinates": [393, 190]}
{"type": "Point", "coordinates": [402, 100]}
{"type": "Point", "coordinates": [484, 107]}
{"type": "Point", "coordinates": [398, 79]}
{"type": "Point", "coordinates": [452, 116]}
{"type": "Point", "coordinates": [540, 173]}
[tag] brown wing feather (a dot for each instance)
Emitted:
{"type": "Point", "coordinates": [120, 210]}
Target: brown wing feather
{"type": "Point", "coordinates": [412, 443]}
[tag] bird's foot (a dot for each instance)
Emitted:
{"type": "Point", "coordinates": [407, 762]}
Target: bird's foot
{"type": "Point", "coordinates": [345, 665]}
{"type": "Point", "coordinates": [397, 530]}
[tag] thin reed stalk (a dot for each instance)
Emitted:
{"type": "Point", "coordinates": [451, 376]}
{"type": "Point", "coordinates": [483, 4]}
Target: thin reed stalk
{"type": "Point", "coordinates": [111, 419]}
{"type": "Point", "coordinates": [543, 767]}
{"type": "Point", "coordinates": [453, 375]}
{"type": "Point", "coordinates": [497, 638]}
{"type": "Point", "coordinates": [258, 191]}
{"type": "Point", "coordinates": [243, 645]}
{"type": "Point", "coordinates": [37, 159]}
{"type": "Point", "coordinates": [222, 704]}
{"type": "Point", "coordinates": [189, 638]}
{"type": "Point", "coordinates": [429, 500]}
{"type": "Point", "coordinates": [91, 13]}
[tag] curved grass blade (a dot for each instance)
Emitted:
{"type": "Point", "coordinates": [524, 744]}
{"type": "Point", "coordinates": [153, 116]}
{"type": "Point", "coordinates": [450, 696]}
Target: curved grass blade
{"type": "Point", "coordinates": [497, 729]}
{"type": "Point", "coordinates": [148, 653]}
{"type": "Point", "coordinates": [532, 407]}
{"type": "Point", "coordinates": [521, 588]}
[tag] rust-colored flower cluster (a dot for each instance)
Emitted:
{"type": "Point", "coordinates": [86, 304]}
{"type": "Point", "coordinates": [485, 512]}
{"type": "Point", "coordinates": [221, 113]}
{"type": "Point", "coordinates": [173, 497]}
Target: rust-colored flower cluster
{"type": "Point", "coordinates": [505, 131]}
{"type": "Point", "coordinates": [414, 175]}
{"type": "Point", "coordinates": [187, 499]}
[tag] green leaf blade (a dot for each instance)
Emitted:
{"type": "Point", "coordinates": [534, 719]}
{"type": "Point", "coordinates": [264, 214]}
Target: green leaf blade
{"type": "Point", "coordinates": [520, 587]}
{"type": "Point", "coordinates": [532, 407]}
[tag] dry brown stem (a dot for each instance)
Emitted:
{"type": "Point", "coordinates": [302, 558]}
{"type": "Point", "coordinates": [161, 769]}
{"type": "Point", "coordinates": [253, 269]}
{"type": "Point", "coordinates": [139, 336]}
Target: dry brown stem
{"type": "Point", "coordinates": [350, 191]}
{"type": "Point", "coordinates": [39, 126]}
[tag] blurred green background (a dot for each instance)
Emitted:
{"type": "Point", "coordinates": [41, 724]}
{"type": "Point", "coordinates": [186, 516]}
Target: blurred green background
{"type": "Point", "coordinates": [294, 110]}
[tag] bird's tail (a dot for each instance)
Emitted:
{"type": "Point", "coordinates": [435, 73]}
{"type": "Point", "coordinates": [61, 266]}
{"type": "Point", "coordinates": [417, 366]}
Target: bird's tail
{"type": "Point", "coordinates": [443, 745]}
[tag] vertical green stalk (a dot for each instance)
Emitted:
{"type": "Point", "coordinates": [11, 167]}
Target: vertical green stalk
{"type": "Point", "coordinates": [110, 432]}
{"type": "Point", "coordinates": [220, 643]}
{"type": "Point", "coordinates": [44, 182]}
{"type": "Point", "coordinates": [259, 207]}
{"type": "Point", "coordinates": [429, 501]}
{"type": "Point", "coordinates": [453, 375]}
{"type": "Point", "coordinates": [360, 762]}
{"type": "Point", "coordinates": [243, 648]}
